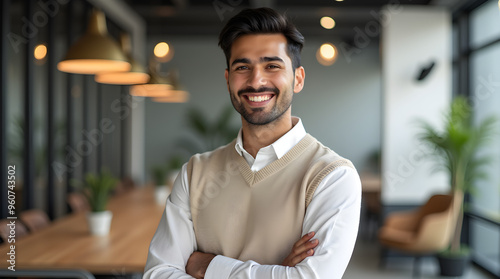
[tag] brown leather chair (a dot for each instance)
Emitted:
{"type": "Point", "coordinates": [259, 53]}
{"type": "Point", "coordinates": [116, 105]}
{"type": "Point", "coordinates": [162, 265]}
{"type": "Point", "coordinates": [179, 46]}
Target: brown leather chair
{"type": "Point", "coordinates": [124, 185]}
{"type": "Point", "coordinates": [20, 230]}
{"type": "Point", "coordinates": [426, 230]}
{"type": "Point", "coordinates": [77, 202]}
{"type": "Point", "coordinates": [34, 219]}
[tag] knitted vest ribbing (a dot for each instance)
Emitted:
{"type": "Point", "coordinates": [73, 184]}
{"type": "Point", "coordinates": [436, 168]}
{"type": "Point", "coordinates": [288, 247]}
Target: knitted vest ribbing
{"type": "Point", "coordinates": [255, 215]}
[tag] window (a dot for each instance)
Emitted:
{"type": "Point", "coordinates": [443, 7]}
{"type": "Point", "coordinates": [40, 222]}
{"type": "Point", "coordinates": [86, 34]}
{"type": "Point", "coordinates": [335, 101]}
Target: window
{"type": "Point", "coordinates": [485, 97]}
{"type": "Point", "coordinates": [477, 74]}
{"type": "Point", "coordinates": [486, 252]}
{"type": "Point", "coordinates": [484, 24]}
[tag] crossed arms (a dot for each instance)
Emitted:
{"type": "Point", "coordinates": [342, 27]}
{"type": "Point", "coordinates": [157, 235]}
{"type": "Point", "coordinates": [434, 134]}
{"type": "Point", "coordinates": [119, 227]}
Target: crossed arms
{"type": "Point", "coordinates": [333, 215]}
{"type": "Point", "coordinates": [198, 262]}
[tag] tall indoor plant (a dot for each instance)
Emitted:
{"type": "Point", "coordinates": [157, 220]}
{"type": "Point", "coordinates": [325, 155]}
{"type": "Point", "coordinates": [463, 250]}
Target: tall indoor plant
{"type": "Point", "coordinates": [97, 189]}
{"type": "Point", "coordinates": [456, 150]}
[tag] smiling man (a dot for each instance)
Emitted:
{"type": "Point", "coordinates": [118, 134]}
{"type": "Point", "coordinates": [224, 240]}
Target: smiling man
{"type": "Point", "coordinates": [275, 202]}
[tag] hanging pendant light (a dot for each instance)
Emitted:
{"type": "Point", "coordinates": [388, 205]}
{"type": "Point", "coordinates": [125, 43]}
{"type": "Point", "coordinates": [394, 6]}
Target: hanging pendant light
{"type": "Point", "coordinates": [175, 97]}
{"type": "Point", "coordinates": [95, 51]}
{"type": "Point", "coordinates": [157, 86]}
{"type": "Point", "coordinates": [177, 93]}
{"type": "Point", "coordinates": [136, 75]}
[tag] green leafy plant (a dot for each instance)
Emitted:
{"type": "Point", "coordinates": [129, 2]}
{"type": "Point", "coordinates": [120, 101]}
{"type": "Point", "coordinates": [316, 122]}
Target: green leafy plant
{"type": "Point", "coordinates": [209, 135]}
{"type": "Point", "coordinates": [455, 149]}
{"type": "Point", "coordinates": [97, 189]}
{"type": "Point", "coordinates": [159, 175]}
{"type": "Point", "coordinates": [175, 163]}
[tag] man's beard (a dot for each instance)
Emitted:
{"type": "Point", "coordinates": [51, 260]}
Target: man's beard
{"type": "Point", "coordinates": [257, 116]}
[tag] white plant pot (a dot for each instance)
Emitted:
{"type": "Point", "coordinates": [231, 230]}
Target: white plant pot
{"type": "Point", "coordinates": [99, 222]}
{"type": "Point", "coordinates": [161, 194]}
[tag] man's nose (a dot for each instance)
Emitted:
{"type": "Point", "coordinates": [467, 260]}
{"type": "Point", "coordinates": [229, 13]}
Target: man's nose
{"type": "Point", "coordinates": [257, 78]}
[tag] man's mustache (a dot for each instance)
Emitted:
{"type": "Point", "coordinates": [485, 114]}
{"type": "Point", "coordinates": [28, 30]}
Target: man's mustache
{"type": "Point", "coordinates": [260, 90]}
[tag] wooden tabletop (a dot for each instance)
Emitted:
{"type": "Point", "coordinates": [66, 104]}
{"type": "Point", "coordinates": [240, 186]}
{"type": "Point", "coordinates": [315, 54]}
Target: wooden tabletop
{"type": "Point", "coordinates": [68, 244]}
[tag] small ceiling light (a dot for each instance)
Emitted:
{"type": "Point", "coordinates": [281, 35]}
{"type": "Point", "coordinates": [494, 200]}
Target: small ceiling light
{"type": "Point", "coordinates": [95, 51]}
{"type": "Point", "coordinates": [40, 52]}
{"type": "Point", "coordinates": [327, 22]}
{"type": "Point", "coordinates": [163, 52]}
{"type": "Point", "coordinates": [136, 75]}
{"type": "Point", "coordinates": [161, 49]}
{"type": "Point", "coordinates": [327, 54]}
{"type": "Point", "coordinates": [327, 51]}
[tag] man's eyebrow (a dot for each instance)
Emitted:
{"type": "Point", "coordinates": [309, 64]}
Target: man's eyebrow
{"type": "Point", "coordinates": [241, 60]}
{"type": "Point", "coordinates": [262, 59]}
{"type": "Point", "coordinates": [270, 59]}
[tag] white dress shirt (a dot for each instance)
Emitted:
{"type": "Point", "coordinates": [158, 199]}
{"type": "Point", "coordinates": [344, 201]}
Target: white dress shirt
{"type": "Point", "coordinates": [333, 214]}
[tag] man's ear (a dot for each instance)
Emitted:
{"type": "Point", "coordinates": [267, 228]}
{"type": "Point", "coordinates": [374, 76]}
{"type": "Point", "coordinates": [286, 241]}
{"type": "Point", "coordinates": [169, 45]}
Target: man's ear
{"type": "Point", "coordinates": [300, 76]}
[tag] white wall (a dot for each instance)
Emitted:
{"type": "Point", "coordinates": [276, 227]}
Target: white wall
{"type": "Point", "coordinates": [411, 39]}
{"type": "Point", "coordinates": [340, 104]}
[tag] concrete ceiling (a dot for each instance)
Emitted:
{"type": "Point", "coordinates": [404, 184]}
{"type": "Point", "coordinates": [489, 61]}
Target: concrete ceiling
{"type": "Point", "coordinates": [206, 18]}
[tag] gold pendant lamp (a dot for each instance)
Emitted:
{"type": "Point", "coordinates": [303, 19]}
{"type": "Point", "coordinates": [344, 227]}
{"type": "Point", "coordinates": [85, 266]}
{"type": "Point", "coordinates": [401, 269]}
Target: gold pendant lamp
{"type": "Point", "coordinates": [175, 97]}
{"type": "Point", "coordinates": [136, 75]}
{"type": "Point", "coordinates": [157, 86]}
{"type": "Point", "coordinates": [95, 51]}
{"type": "Point", "coordinates": [177, 92]}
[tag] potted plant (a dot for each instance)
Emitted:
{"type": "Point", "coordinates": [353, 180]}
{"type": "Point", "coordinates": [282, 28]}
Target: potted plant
{"type": "Point", "coordinates": [97, 189]}
{"type": "Point", "coordinates": [161, 190]}
{"type": "Point", "coordinates": [174, 166]}
{"type": "Point", "coordinates": [456, 150]}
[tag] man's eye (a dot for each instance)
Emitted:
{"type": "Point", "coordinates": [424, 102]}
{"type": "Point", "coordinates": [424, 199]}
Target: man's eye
{"type": "Point", "coordinates": [241, 68]}
{"type": "Point", "coordinates": [273, 66]}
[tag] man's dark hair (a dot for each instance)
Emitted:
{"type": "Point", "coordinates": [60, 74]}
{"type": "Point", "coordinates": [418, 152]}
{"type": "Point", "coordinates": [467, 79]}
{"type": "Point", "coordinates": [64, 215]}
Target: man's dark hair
{"type": "Point", "coordinates": [261, 21]}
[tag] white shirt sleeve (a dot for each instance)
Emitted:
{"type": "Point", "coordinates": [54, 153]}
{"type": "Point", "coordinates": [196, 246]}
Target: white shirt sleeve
{"type": "Point", "coordinates": [174, 240]}
{"type": "Point", "coordinates": [333, 214]}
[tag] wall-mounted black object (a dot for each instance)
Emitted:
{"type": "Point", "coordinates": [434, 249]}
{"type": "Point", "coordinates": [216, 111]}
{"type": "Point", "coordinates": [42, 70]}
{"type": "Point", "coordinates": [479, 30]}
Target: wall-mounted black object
{"type": "Point", "coordinates": [425, 71]}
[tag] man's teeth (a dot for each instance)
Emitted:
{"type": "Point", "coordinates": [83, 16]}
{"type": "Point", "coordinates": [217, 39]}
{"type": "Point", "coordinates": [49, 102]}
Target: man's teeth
{"type": "Point", "coordinates": [259, 98]}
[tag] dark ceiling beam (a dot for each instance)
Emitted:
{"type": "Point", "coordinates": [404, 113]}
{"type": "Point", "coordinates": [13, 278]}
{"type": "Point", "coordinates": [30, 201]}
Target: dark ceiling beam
{"type": "Point", "coordinates": [156, 12]}
{"type": "Point", "coordinates": [263, 3]}
{"type": "Point", "coordinates": [204, 20]}
{"type": "Point", "coordinates": [349, 3]}
{"type": "Point", "coordinates": [165, 30]}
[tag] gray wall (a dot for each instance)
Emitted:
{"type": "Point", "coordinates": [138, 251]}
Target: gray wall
{"type": "Point", "coordinates": [340, 105]}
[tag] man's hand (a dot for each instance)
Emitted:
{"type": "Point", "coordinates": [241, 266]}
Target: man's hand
{"type": "Point", "coordinates": [302, 249]}
{"type": "Point", "coordinates": [198, 263]}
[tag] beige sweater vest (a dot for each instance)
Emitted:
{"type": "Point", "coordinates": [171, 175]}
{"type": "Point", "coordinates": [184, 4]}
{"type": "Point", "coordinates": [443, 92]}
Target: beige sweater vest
{"type": "Point", "coordinates": [256, 216]}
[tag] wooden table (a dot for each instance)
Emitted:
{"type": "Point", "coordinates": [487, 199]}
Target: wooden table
{"type": "Point", "coordinates": [67, 243]}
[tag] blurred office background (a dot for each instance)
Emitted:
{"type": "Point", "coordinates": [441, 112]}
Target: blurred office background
{"type": "Point", "coordinates": [362, 99]}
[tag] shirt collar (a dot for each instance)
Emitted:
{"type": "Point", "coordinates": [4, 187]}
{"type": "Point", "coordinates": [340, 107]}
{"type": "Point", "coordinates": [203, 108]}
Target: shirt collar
{"type": "Point", "coordinates": [283, 144]}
